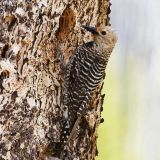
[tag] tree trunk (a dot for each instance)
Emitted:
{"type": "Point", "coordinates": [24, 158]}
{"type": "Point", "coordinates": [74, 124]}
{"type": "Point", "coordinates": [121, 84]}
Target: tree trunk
{"type": "Point", "coordinates": [32, 33]}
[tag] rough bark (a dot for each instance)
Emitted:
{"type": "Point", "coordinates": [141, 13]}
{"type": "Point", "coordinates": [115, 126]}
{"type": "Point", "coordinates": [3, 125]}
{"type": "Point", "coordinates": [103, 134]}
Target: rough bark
{"type": "Point", "coordinates": [31, 35]}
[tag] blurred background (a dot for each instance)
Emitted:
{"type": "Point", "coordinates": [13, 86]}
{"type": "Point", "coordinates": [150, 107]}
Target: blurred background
{"type": "Point", "coordinates": [131, 130]}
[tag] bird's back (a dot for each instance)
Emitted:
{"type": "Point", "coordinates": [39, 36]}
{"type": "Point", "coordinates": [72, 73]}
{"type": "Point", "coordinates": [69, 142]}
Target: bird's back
{"type": "Point", "coordinates": [83, 74]}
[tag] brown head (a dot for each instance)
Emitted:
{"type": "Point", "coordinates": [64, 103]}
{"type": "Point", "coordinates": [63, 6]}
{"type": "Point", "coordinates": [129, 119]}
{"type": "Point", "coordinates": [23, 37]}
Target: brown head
{"type": "Point", "coordinates": [104, 37]}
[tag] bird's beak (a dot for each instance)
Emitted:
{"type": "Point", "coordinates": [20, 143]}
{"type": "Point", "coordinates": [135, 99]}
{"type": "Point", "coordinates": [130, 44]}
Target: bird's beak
{"type": "Point", "coordinates": [90, 29]}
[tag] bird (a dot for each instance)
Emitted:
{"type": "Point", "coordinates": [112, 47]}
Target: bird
{"type": "Point", "coordinates": [84, 72]}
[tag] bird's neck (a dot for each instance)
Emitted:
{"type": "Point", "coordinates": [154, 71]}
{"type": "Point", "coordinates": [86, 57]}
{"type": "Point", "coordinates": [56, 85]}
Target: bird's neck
{"type": "Point", "coordinates": [102, 52]}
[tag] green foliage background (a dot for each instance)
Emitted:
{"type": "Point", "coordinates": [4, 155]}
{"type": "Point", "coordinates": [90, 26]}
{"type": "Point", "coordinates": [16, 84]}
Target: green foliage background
{"type": "Point", "coordinates": [131, 130]}
{"type": "Point", "coordinates": [114, 130]}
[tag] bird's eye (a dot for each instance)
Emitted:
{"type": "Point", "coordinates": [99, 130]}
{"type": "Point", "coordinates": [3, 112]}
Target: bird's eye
{"type": "Point", "coordinates": [103, 33]}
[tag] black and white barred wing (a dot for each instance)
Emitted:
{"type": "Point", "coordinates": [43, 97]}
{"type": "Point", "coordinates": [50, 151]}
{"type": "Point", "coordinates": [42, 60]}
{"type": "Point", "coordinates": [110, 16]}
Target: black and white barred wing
{"type": "Point", "coordinates": [84, 72]}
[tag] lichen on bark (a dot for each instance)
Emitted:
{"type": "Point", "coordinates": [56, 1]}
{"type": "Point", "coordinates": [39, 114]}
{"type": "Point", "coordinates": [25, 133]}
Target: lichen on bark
{"type": "Point", "coordinates": [31, 32]}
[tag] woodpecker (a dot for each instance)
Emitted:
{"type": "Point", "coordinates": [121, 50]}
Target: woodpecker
{"type": "Point", "coordinates": [84, 72]}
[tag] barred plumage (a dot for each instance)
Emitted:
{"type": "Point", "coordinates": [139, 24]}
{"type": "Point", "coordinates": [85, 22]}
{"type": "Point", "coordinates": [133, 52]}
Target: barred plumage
{"type": "Point", "coordinates": [84, 72]}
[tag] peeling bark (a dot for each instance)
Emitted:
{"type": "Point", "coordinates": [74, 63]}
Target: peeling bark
{"type": "Point", "coordinates": [31, 33]}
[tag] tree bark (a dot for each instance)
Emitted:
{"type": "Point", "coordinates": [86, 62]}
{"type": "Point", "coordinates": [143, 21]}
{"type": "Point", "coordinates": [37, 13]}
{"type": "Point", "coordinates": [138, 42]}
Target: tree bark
{"type": "Point", "coordinates": [32, 33]}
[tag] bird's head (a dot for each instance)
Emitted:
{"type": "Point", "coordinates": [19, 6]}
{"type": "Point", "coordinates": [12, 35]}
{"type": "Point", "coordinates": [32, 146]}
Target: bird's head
{"type": "Point", "coordinates": [103, 36]}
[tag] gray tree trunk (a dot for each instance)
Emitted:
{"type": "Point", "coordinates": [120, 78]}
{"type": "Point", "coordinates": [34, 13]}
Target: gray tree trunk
{"type": "Point", "coordinates": [31, 35]}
